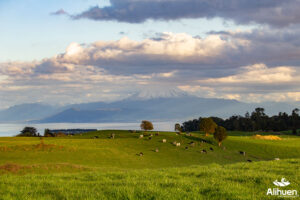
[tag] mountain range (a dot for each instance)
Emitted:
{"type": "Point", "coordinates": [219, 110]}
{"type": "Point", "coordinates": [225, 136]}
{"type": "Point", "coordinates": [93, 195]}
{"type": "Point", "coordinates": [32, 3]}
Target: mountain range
{"type": "Point", "coordinates": [137, 108]}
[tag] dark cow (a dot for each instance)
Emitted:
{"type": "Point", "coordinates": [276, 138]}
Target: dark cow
{"type": "Point", "coordinates": [203, 151]}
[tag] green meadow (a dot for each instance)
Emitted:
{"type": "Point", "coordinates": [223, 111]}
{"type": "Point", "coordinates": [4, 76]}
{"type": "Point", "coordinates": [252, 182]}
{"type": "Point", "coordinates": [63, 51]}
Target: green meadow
{"type": "Point", "coordinates": [93, 166]}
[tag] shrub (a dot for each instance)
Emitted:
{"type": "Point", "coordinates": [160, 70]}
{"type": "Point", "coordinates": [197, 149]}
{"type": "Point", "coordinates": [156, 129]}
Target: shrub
{"type": "Point", "coordinates": [29, 132]}
{"type": "Point", "coordinates": [146, 125]}
{"type": "Point", "coordinates": [208, 126]}
{"type": "Point", "coordinates": [220, 134]}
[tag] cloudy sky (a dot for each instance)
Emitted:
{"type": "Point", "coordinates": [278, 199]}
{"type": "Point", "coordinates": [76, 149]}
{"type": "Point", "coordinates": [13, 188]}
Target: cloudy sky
{"type": "Point", "coordinates": [66, 51]}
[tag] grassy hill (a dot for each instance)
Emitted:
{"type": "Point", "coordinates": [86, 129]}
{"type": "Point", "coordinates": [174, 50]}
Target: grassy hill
{"type": "Point", "coordinates": [93, 166]}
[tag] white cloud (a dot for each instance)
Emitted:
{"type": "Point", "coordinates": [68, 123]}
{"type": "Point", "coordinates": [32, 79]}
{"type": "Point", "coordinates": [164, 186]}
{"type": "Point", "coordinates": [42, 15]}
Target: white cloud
{"type": "Point", "coordinates": [259, 74]}
{"type": "Point", "coordinates": [216, 66]}
{"type": "Point", "coordinates": [253, 83]}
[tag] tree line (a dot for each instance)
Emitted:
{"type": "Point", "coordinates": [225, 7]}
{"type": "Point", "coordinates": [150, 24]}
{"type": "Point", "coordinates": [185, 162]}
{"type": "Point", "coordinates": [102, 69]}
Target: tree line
{"type": "Point", "coordinates": [256, 121]}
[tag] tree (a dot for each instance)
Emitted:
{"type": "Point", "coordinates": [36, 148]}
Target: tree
{"type": "Point", "coordinates": [60, 134]}
{"type": "Point", "coordinates": [295, 120]}
{"type": "Point", "coordinates": [47, 133]}
{"type": "Point", "coordinates": [146, 125]}
{"type": "Point", "coordinates": [220, 134]}
{"type": "Point", "coordinates": [28, 132]}
{"type": "Point", "coordinates": [260, 119]}
{"type": "Point", "coordinates": [178, 128]}
{"type": "Point", "coordinates": [208, 126]}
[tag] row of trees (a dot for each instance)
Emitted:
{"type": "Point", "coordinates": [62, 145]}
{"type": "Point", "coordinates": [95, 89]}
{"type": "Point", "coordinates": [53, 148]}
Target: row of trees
{"type": "Point", "coordinates": [208, 126]}
{"type": "Point", "coordinates": [257, 121]}
{"type": "Point", "coordinates": [32, 132]}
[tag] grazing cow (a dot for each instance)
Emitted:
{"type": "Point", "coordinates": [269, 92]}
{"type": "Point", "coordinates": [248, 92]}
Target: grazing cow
{"type": "Point", "coordinates": [141, 136]}
{"type": "Point", "coordinates": [164, 140]}
{"type": "Point", "coordinates": [249, 160]}
{"type": "Point", "coordinates": [95, 137]}
{"type": "Point", "coordinates": [112, 136]}
{"type": "Point", "coordinates": [141, 154]}
{"type": "Point", "coordinates": [174, 143]}
{"type": "Point", "coordinates": [243, 153]}
{"type": "Point", "coordinates": [192, 144]}
{"type": "Point", "coordinates": [151, 135]}
{"type": "Point", "coordinates": [157, 134]}
{"type": "Point", "coordinates": [211, 149]}
{"type": "Point", "coordinates": [150, 138]}
{"type": "Point", "coordinates": [156, 150]}
{"type": "Point", "coordinates": [178, 144]}
{"type": "Point", "coordinates": [276, 159]}
{"type": "Point", "coordinates": [203, 151]}
{"type": "Point", "coordinates": [186, 148]}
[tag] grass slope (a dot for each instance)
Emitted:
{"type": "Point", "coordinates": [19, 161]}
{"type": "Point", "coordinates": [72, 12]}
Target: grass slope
{"type": "Point", "coordinates": [213, 181]}
{"type": "Point", "coordinates": [81, 167]}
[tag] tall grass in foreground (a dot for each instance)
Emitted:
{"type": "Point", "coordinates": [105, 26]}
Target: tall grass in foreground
{"type": "Point", "coordinates": [235, 181]}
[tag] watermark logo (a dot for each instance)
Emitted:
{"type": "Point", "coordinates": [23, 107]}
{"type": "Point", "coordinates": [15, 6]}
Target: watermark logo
{"type": "Point", "coordinates": [282, 183]}
{"type": "Point", "coordinates": [281, 192]}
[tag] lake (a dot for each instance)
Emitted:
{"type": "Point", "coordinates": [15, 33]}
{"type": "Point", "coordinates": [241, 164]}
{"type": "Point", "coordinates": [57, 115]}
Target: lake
{"type": "Point", "coordinates": [14, 129]}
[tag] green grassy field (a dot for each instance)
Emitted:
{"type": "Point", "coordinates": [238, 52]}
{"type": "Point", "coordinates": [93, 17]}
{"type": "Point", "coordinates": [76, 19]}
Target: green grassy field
{"type": "Point", "coordinates": [81, 167]}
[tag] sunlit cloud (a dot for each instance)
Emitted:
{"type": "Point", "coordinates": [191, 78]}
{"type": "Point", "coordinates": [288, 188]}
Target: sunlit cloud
{"type": "Point", "coordinates": [226, 65]}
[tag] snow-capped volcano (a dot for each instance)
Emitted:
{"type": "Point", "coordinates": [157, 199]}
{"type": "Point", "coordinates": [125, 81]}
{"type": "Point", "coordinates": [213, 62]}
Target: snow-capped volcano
{"type": "Point", "coordinates": [158, 93]}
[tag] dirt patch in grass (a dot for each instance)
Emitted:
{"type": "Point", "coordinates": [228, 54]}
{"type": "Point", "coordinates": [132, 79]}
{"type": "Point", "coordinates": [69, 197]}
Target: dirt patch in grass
{"type": "Point", "coordinates": [12, 168]}
{"type": "Point", "coordinates": [36, 147]}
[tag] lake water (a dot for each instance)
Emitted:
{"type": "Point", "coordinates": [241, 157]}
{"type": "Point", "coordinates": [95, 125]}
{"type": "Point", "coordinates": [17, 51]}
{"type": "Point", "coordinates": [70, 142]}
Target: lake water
{"type": "Point", "coordinates": [14, 129]}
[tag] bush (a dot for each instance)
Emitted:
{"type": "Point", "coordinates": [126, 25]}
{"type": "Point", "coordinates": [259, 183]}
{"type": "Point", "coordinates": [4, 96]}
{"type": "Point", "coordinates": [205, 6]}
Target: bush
{"type": "Point", "coordinates": [47, 133]}
{"type": "Point", "coordinates": [29, 132]}
{"type": "Point", "coordinates": [146, 125]}
{"type": "Point", "coordinates": [220, 134]}
{"type": "Point", "coordinates": [207, 125]}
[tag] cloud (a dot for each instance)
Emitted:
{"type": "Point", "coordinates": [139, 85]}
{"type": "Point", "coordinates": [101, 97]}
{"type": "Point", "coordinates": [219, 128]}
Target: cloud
{"type": "Point", "coordinates": [164, 53]}
{"type": "Point", "coordinates": [273, 12]}
{"type": "Point", "coordinates": [253, 83]}
{"type": "Point", "coordinates": [255, 65]}
{"type": "Point", "coordinates": [60, 12]}
{"type": "Point", "coordinates": [51, 66]}
{"type": "Point", "coordinates": [259, 74]}
{"type": "Point", "coordinates": [214, 55]}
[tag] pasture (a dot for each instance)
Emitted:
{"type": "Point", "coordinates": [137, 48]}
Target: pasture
{"type": "Point", "coordinates": [93, 166]}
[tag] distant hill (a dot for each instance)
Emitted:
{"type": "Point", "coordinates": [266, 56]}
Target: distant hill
{"type": "Point", "coordinates": [160, 109]}
{"type": "Point", "coordinates": [27, 112]}
{"type": "Point", "coordinates": [136, 108]}
{"type": "Point", "coordinates": [131, 110]}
